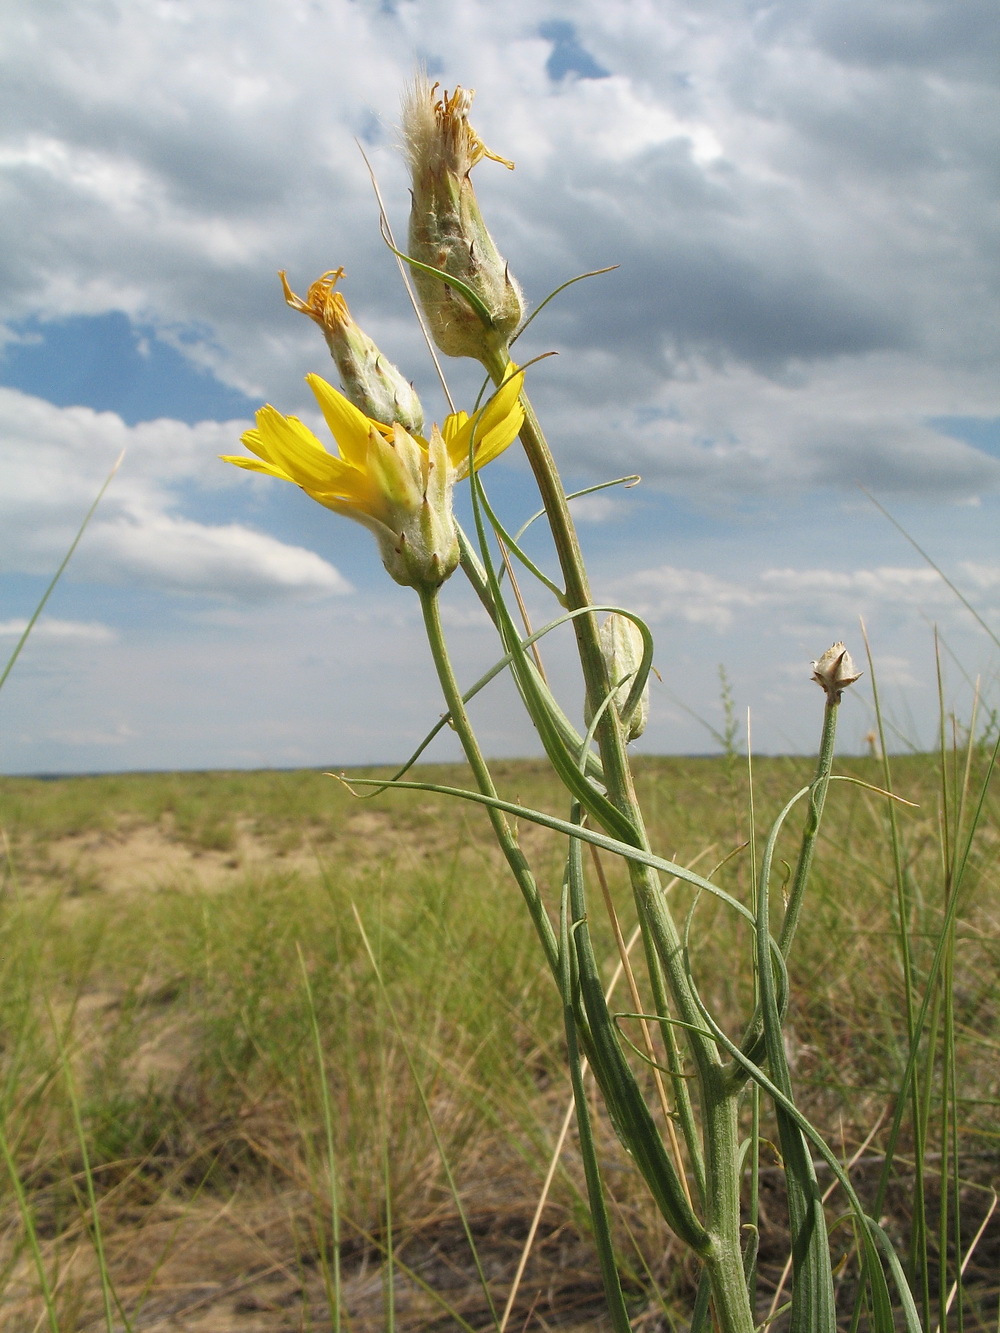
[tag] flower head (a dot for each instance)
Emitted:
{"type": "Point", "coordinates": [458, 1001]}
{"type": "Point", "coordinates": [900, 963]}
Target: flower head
{"type": "Point", "coordinates": [835, 670]}
{"type": "Point", "coordinates": [447, 231]}
{"type": "Point", "coordinates": [370, 382]}
{"type": "Point", "coordinates": [395, 483]}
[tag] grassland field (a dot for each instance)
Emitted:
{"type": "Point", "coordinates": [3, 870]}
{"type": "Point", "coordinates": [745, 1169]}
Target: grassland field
{"type": "Point", "coordinates": [185, 979]}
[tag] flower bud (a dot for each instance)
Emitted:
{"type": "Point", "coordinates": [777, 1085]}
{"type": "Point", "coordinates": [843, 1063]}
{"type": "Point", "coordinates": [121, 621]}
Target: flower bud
{"type": "Point", "coordinates": [835, 670]}
{"type": "Point", "coordinates": [447, 230]}
{"type": "Point", "coordinates": [622, 647]}
{"type": "Point", "coordinates": [417, 537]}
{"type": "Point", "coordinates": [369, 381]}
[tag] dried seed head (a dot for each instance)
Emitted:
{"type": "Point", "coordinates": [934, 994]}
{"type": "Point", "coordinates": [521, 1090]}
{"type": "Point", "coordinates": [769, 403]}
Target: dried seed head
{"type": "Point", "coordinates": [447, 230]}
{"type": "Point", "coordinates": [835, 670]}
{"type": "Point", "coordinates": [369, 380]}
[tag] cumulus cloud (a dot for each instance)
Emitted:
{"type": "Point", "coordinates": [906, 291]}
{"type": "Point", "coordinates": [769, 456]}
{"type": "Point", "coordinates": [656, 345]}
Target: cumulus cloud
{"type": "Point", "coordinates": [800, 197]}
{"type": "Point", "coordinates": [54, 461]}
{"type": "Point", "coordinates": [818, 594]}
{"type": "Point", "coordinates": [228, 560]}
{"type": "Point", "coordinates": [797, 199]}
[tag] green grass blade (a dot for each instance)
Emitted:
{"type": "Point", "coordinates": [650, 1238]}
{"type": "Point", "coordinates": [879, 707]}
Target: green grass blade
{"type": "Point", "coordinates": [108, 1294]}
{"type": "Point", "coordinates": [425, 1105]}
{"type": "Point", "coordinates": [331, 1150]}
{"type": "Point", "coordinates": [28, 1222]}
{"type": "Point", "coordinates": [595, 1189]}
{"type": "Point", "coordinates": [813, 1303]}
{"type": "Point", "coordinates": [58, 574]}
{"type": "Point", "coordinates": [919, 1269]}
{"type": "Point", "coordinates": [626, 1105]}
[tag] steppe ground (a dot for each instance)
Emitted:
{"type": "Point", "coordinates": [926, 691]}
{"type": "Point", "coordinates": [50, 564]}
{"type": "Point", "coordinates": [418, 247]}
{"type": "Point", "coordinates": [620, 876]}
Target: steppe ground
{"type": "Point", "coordinates": [216, 985]}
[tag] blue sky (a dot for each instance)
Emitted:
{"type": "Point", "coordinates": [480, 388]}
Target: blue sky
{"type": "Point", "coordinates": [802, 202]}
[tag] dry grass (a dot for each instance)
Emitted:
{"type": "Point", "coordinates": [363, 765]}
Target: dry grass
{"type": "Point", "coordinates": [154, 922]}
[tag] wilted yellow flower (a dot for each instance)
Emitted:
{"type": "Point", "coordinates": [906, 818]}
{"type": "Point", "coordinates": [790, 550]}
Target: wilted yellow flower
{"type": "Point", "coordinates": [370, 381]}
{"type": "Point", "coordinates": [395, 483]}
{"type": "Point", "coordinates": [447, 230]}
{"type": "Point", "coordinates": [835, 670]}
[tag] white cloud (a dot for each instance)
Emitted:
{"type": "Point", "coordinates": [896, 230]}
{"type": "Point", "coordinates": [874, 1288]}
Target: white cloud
{"type": "Point", "coordinates": [53, 462]}
{"type": "Point", "coordinates": [59, 631]}
{"type": "Point", "coordinates": [86, 737]}
{"type": "Point", "coordinates": [797, 199]}
{"type": "Point", "coordinates": [800, 197]}
{"type": "Point", "coordinates": [689, 594]}
{"type": "Point", "coordinates": [599, 508]}
{"type": "Point", "coordinates": [813, 595]}
{"type": "Point", "coordinates": [227, 560]}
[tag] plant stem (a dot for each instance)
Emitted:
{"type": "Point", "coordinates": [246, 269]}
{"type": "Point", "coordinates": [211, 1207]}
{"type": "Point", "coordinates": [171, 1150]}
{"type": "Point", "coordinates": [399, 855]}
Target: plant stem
{"type": "Point", "coordinates": [504, 834]}
{"type": "Point", "coordinates": [817, 799]}
{"type": "Point", "coordinates": [723, 1259]}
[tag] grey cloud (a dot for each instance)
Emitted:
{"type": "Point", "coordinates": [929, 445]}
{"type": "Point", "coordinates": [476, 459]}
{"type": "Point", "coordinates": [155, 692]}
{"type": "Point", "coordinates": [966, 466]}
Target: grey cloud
{"type": "Point", "coordinates": [896, 461]}
{"type": "Point", "coordinates": [962, 36]}
{"type": "Point", "coordinates": [700, 297]}
{"type": "Point", "coordinates": [777, 200]}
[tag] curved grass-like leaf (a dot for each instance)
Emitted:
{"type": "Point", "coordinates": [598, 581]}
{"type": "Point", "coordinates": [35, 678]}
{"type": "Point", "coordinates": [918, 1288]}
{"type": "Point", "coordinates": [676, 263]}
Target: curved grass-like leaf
{"type": "Point", "coordinates": [456, 284]}
{"type": "Point", "coordinates": [628, 851]}
{"type": "Point", "coordinates": [813, 1303]}
{"type": "Point", "coordinates": [628, 482]}
{"type": "Point", "coordinates": [626, 1104]}
{"type": "Point", "coordinates": [597, 805]}
{"type": "Point", "coordinates": [512, 545]}
{"type": "Point", "coordinates": [882, 1318]}
{"type": "Point", "coordinates": [568, 986]}
{"type": "Point", "coordinates": [594, 273]}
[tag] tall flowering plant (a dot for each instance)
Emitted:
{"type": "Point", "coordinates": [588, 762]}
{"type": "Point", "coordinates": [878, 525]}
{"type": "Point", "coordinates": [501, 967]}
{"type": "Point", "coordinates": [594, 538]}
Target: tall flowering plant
{"type": "Point", "coordinates": [397, 479]}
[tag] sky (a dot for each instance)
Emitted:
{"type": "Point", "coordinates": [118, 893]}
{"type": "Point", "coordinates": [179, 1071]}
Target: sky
{"type": "Point", "coordinates": [801, 200]}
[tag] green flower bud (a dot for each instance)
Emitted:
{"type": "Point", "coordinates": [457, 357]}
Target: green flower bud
{"type": "Point", "coordinates": [417, 538]}
{"type": "Point", "coordinates": [447, 230]}
{"type": "Point", "coordinates": [369, 381]}
{"type": "Point", "coordinates": [622, 649]}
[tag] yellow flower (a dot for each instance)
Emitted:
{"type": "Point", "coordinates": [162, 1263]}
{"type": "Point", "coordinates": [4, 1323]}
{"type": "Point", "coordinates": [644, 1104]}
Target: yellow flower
{"type": "Point", "coordinates": [397, 484]}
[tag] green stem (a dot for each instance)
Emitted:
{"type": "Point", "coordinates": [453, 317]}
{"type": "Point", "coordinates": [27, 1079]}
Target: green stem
{"type": "Point", "coordinates": [753, 1041]}
{"type": "Point", "coordinates": [474, 572]}
{"type": "Point", "coordinates": [817, 800]}
{"type": "Point", "coordinates": [484, 781]}
{"type": "Point", "coordinates": [723, 1259]}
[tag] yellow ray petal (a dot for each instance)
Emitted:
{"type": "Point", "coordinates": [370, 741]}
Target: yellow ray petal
{"type": "Point", "coordinates": [286, 442]}
{"type": "Point", "coordinates": [255, 465]}
{"type": "Point", "coordinates": [493, 427]}
{"type": "Point", "coordinates": [348, 425]}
